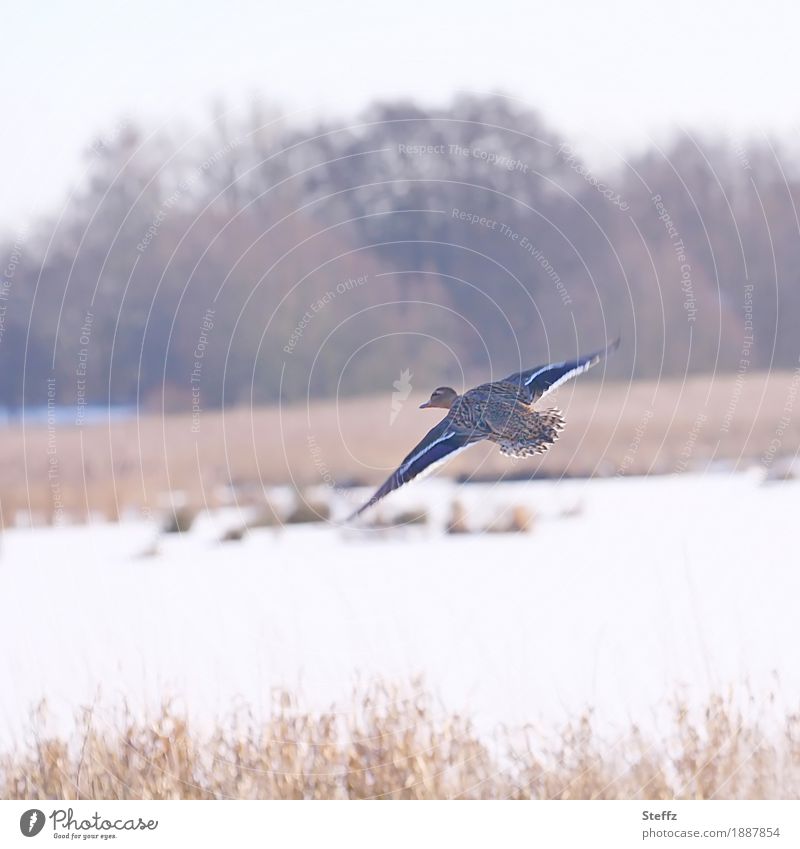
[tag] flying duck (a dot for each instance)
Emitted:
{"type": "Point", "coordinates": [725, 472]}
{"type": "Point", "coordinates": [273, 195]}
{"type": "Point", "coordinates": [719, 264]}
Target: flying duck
{"type": "Point", "coordinates": [500, 412]}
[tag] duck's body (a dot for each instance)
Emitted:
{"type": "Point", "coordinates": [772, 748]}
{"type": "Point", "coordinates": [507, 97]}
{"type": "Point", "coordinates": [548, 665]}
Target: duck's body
{"type": "Point", "coordinates": [500, 412]}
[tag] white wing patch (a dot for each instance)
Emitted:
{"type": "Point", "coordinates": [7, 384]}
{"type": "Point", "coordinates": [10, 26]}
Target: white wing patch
{"type": "Point", "coordinates": [440, 462]}
{"type": "Point", "coordinates": [411, 460]}
{"type": "Point", "coordinates": [541, 371]}
{"type": "Point", "coordinates": [569, 375]}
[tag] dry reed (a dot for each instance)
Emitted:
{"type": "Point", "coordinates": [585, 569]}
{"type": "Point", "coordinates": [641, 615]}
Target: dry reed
{"type": "Point", "coordinates": [394, 743]}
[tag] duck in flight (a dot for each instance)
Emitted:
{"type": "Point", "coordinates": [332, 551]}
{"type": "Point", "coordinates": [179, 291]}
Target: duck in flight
{"type": "Point", "coordinates": [501, 412]}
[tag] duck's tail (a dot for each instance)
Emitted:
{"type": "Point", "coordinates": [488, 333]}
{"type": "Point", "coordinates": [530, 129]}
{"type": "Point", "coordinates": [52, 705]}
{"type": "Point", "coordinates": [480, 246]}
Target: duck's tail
{"type": "Point", "coordinates": [531, 434]}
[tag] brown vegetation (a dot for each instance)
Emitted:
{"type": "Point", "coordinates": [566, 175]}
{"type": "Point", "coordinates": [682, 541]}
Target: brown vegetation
{"type": "Point", "coordinates": [396, 744]}
{"type": "Point", "coordinates": [647, 426]}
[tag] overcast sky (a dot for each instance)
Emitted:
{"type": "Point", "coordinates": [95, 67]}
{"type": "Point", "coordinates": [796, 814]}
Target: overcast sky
{"type": "Point", "coordinates": [609, 76]}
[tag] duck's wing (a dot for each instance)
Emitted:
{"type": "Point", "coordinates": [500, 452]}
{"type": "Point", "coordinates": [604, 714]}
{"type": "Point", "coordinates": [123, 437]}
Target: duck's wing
{"type": "Point", "coordinates": [437, 446]}
{"type": "Point", "coordinates": [538, 381]}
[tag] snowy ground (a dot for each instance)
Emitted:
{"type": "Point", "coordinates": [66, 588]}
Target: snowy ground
{"type": "Point", "coordinates": [657, 586]}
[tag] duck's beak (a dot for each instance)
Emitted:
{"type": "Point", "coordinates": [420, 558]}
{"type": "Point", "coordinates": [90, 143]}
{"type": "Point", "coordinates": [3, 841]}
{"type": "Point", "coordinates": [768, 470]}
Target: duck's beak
{"type": "Point", "coordinates": [425, 405]}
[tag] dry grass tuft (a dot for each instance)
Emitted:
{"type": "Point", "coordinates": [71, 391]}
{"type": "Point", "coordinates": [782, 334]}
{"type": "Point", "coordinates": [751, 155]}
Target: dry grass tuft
{"type": "Point", "coordinates": [417, 516]}
{"type": "Point", "coordinates": [235, 534]}
{"type": "Point", "coordinates": [457, 524]}
{"type": "Point", "coordinates": [266, 516]}
{"type": "Point", "coordinates": [393, 743]}
{"type": "Point", "coordinates": [180, 520]}
{"type": "Point", "coordinates": [380, 520]}
{"type": "Point", "coordinates": [519, 519]}
{"type": "Point", "coordinates": [512, 520]}
{"type": "Point", "coordinates": [307, 510]}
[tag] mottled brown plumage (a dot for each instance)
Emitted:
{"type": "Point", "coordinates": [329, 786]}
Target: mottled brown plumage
{"type": "Point", "coordinates": [499, 412]}
{"type": "Point", "coordinates": [528, 432]}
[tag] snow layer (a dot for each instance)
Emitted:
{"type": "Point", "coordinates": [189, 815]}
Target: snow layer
{"type": "Point", "coordinates": [657, 586]}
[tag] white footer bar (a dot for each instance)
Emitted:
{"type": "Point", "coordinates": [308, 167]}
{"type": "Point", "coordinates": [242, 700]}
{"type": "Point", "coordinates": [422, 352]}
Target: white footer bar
{"type": "Point", "coordinates": [404, 825]}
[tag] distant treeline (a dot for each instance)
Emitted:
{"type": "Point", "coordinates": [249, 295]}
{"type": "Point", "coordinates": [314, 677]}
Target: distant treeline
{"type": "Point", "coordinates": [261, 259]}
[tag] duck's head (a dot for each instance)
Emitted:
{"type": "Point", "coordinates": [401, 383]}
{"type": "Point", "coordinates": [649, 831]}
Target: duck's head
{"type": "Point", "coordinates": [442, 397]}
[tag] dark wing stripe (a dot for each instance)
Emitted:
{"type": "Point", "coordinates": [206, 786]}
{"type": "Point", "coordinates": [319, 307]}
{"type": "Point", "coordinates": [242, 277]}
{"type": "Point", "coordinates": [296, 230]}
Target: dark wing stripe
{"type": "Point", "coordinates": [436, 447]}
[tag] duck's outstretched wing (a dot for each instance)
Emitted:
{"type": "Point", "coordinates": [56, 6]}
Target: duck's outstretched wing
{"type": "Point", "coordinates": [538, 381]}
{"type": "Point", "coordinates": [438, 445]}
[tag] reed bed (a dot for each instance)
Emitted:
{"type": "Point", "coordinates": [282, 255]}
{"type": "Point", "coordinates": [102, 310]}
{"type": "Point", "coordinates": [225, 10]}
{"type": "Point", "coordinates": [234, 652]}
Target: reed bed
{"type": "Point", "coordinates": [123, 467]}
{"type": "Point", "coordinates": [396, 743]}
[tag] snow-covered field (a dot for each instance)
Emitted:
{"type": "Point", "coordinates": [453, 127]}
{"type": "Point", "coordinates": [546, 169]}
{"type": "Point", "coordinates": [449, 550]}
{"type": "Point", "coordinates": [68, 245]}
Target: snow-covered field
{"type": "Point", "coordinates": [653, 586]}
